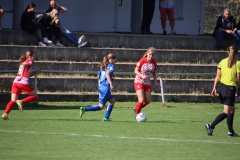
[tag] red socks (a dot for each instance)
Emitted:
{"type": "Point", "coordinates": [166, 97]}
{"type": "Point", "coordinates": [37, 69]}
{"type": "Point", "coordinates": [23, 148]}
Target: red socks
{"type": "Point", "coordinates": [143, 104]}
{"type": "Point", "coordinates": [139, 106]}
{"type": "Point", "coordinates": [29, 99]}
{"type": "Point", "coordinates": [25, 100]}
{"type": "Point", "coordinates": [9, 106]}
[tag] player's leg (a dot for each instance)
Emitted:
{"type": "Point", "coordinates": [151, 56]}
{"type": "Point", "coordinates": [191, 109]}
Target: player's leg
{"type": "Point", "coordinates": [9, 106]}
{"type": "Point", "coordinates": [230, 118]}
{"type": "Point", "coordinates": [225, 99]}
{"type": "Point", "coordinates": [109, 109]}
{"type": "Point", "coordinates": [147, 98]}
{"type": "Point", "coordinates": [230, 110]}
{"type": "Point", "coordinates": [147, 95]}
{"type": "Point", "coordinates": [139, 88]}
{"type": "Point", "coordinates": [15, 92]}
{"type": "Point", "coordinates": [90, 108]}
{"type": "Point", "coordinates": [140, 95]}
{"type": "Point", "coordinates": [103, 92]}
{"type": "Point", "coordinates": [209, 127]}
{"type": "Point", "coordinates": [32, 95]}
{"type": "Point", "coordinates": [221, 116]}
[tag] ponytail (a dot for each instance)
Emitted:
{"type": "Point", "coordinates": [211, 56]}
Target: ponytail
{"type": "Point", "coordinates": [105, 61]}
{"type": "Point", "coordinates": [232, 51]}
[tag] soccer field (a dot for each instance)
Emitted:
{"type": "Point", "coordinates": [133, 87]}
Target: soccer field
{"type": "Point", "coordinates": [50, 130]}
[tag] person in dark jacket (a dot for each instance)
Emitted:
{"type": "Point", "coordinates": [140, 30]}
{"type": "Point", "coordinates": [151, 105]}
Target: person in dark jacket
{"type": "Point", "coordinates": [148, 11]}
{"type": "Point", "coordinates": [30, 23]}
{"type": "Point", "coordinates": [49, 20]}
{"type": "Point", "coordinates": [64, 32]}
{"type": "Point", "coordinates": [226, 28]}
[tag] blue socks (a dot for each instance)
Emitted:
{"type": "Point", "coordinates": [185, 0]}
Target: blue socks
{"type": "Point", "coordinates": [92, 108]}
{"type": "Point", "coordinates": [97, 108]}
{"type": "Point", "coordinates": [108, 111]}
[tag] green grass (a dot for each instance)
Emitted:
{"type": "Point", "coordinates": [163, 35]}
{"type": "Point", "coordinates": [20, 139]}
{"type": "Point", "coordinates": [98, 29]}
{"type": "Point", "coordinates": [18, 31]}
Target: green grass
{"type": "Point", "coordinates": [49, 130]}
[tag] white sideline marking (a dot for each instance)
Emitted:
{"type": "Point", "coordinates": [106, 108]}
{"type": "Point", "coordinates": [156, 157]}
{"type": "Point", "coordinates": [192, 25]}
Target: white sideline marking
{"type": "Point", "coordinates": [124, 137]}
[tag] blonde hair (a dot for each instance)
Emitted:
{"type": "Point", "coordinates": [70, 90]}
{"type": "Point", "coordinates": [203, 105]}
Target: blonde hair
{"type": "Point", "coordinates": [150, 49]}
{"type": "Point", "coordinates": [25, 56]}
{"type": "Point", "coordinates": [105, 61]}
{"type": "Point", "coordinates": [53, 12]}
{"type": "Point", "coordinates": [232, 52]}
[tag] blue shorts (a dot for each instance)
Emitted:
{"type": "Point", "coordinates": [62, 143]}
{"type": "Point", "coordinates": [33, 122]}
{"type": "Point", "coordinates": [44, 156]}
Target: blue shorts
{"type": "Point", "coordinates": [105, 95]}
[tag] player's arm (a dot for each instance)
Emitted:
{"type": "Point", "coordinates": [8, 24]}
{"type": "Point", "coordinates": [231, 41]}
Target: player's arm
{"type": "Point", "coordinates": [155, 79]}
{"type": "Point", "coordinates": [109, 79]}
{"type": "Point", "coordinates": [238, 84]}
{"type": "Point", "coordinates": [238, 78]}
{"type": "Point", "coordinates": [137, 72]}
{"type": "Point", "coordinates": [218, 75]}
{"type": "Point", "coordinates": [36, 72]}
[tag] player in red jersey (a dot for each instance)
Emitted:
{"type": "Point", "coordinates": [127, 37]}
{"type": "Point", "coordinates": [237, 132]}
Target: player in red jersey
{"type": "Point", "coordinates": [145, 67]}
{"type": "Point", "coordinates": [21, 84]}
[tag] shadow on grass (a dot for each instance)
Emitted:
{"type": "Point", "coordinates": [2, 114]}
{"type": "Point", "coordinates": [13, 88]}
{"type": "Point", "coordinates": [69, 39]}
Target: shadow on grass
{"type": "Point", "coordinates": [36, 106]}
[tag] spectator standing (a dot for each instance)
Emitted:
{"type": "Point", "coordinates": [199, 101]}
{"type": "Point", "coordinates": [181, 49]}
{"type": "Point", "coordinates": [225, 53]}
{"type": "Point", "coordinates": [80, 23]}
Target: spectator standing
{"type": "Point", "coordinates": [30, 24]}
{"type": "Point", "coordinates": [166, 8]}
{"type": "Point", "coordinates": [21, 84]}
{"type": "Point", "coordinates": [106, 74]}
{"type": "Point", "coordinates": [147, 15]}
{"type": "Point", "coordinates": [64, 32]}
{"type": "Point", "coordinates": [146, 67]}
{"type": "Point", "coordinates": [226, 28]}
{"type": "Point", "coordinates": [228, 73]}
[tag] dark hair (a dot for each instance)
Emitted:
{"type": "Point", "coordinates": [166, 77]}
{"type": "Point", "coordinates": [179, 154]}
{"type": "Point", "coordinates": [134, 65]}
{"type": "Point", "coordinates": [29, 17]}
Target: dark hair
{"type": "Point", "coordinates": [105, 60]}
{"type": "Point", "coordinates": [31, 5]}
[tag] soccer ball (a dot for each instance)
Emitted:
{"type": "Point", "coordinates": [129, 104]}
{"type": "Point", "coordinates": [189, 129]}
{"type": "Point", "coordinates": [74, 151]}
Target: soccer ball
{"type": "Point", "coordinates": [141, 117]}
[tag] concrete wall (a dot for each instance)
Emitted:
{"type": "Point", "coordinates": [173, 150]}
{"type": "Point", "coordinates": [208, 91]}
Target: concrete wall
{"type": "Point", "coordinates": [190, 23]}
{"type": "Point", "coordinates": [101, 15]}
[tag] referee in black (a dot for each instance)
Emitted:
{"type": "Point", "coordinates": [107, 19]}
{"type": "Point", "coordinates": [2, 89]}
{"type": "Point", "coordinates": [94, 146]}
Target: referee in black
{"type": "Point", "coordinates": [148, 11]}
{"type": "Point", "coordinates": [228, 73]}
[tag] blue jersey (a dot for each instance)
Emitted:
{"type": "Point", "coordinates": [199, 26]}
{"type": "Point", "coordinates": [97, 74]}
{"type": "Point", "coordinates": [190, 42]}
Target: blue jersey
{"type": "Point", "coordinates": [103, 78]}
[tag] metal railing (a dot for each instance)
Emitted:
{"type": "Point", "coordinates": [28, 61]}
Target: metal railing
{"type": "Point", "coordinates": [115, 73]}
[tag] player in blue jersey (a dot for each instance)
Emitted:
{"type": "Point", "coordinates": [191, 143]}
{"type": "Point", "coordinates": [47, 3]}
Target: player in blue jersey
{"type": "Point", "coordinates": [105, 87]}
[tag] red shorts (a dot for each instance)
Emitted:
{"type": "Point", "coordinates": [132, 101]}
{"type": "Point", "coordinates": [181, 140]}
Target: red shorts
{"type": "Point", "coordinates": [167, 12]}
{"type": "Point", "coordinates": [18, 88]}
{"type": "Point", "coordinates": [139, 86]}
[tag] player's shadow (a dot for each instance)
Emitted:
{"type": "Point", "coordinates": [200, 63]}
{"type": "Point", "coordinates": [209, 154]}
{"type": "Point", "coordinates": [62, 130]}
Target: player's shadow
{"type": "Point", "coordinates": [36, 106]}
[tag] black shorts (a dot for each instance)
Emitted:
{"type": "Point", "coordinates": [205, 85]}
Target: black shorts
{"type": "Point", "coordinates": [227, 94]}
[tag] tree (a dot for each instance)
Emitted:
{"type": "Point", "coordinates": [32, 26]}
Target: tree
{"type": "Point", "coordinates": [214, 8]}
